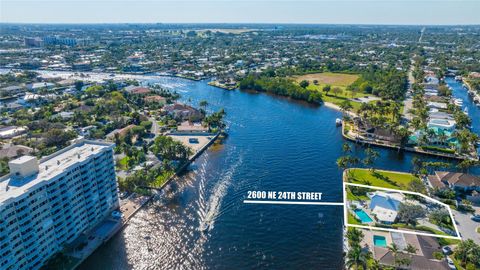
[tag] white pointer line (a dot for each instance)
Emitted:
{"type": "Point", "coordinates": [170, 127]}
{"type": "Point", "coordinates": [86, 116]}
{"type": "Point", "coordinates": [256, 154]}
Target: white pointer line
{"type": "Point", "coordinates": [293, 202]}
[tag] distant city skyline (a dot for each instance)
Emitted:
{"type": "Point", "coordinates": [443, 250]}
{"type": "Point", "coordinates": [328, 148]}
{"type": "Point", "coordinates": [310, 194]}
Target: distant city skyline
{"type": "Point", "coordinates": [423, 12]}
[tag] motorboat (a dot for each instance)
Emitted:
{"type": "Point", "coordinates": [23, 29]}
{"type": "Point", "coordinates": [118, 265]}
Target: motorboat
{"type": "Point", "coordinates": [338, 122]}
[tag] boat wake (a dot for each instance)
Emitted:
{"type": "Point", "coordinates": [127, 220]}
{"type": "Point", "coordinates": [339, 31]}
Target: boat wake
{"type": "Point", "coordinates": [210, 213]}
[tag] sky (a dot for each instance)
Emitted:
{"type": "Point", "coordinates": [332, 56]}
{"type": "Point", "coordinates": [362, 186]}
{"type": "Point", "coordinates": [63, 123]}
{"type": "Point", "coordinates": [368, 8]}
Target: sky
{"type": "Point", "coordinates": [429, 12]}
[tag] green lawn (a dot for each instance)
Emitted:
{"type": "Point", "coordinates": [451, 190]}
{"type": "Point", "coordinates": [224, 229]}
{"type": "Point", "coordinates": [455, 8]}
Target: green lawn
{"type": "Point", "coordinates": [352, 197]}
{"type": "Point", "coordinates": [161, 179]}
{"type": "Point", "coordinates": [340, 80]}
{"type": "Point", "coordinates": [123, 163]}
{"type": "Point", "coordinates": [394, 180]}
{"type": "Point", "coordinates": [448, 241]}
{"type": "Point", "coordinates": [353, 220]}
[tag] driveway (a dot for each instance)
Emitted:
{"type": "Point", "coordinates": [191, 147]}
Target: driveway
{"type": "Point", "coordinates": [466, 226]}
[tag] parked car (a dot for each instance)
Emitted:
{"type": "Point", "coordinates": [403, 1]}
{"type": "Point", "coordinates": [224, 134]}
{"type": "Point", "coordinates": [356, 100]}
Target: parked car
{"type": "Point", "coordinates": [475, 218]}
{"type": "Point", "coordinates": [451, 265]}
{"type": "Point", "coordinates": [447, 250]}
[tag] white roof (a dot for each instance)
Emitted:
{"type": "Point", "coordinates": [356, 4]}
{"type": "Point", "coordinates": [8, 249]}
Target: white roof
{"type": "Point", "coordinates": [22, 160]}
{"type": "Point", "coordinates": [49, 167]}
{"type": "Point", "coordinates": [384, 214]}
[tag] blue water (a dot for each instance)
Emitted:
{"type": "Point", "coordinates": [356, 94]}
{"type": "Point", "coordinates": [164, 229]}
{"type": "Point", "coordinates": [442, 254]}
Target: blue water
{"type": "Point", "coordinates": [459, 91]}
{"type": "Point", "coordinates": [379, 241]}
{"type": "Point", "coordinates": [201, 222]}
{"type": "Point", "coordinates": [363, 216]}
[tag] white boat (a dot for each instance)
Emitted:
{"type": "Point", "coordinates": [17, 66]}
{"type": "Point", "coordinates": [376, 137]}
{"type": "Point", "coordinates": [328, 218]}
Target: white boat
{"type": "Point", "coordinates": [458, 78]}
{"type": "Point", "coordinates": [465, 111]}
{"type": "Point", "coordinates": [338, 122]}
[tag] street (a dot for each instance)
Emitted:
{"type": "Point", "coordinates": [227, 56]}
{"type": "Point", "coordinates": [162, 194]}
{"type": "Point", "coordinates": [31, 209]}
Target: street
{"type": "Point", "coordinates": [466, 226]}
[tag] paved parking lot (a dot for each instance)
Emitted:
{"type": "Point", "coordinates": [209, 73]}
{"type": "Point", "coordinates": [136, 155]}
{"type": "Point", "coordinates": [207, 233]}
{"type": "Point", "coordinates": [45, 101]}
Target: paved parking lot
{"type": "Point", "coordinates": [466, 226]}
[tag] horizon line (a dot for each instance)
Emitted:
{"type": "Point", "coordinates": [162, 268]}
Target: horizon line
{"type": "Point", "coordinates": [244, 23]}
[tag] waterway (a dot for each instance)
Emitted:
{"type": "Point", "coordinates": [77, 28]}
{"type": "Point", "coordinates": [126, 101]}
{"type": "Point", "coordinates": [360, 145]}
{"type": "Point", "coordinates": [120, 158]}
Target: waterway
{"type": "Point", "coordinates": [200, 221]}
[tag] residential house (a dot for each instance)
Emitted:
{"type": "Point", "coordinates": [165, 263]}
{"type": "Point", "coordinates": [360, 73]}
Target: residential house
{"type": "Point", "coordinates": [442, 123]}
{"type": "Point", "coordinates": [11, 90]}
{"type": "Point", "coordinates": [187, 126]}
{"type": "Point", "coordinates": [15, 151]}
{"type": "Point", "coordinates": [121, 132]}
{"type": "Point", "coordinates": [422, 259]}
{"type": "Point", "coordinates": [384, 205]}
{"type": "Point", "coordinates": [12, 131]}
{"type": "Point", "coordinates": [137, 90]}
{"type": "Point", "coordinates": [155, 99]}
{"type": "Point", "coordinates": [182, 111]}
{"type": "Point", "coordinates": [40, 85]}
{"type": "Point", "coordinates": [454, 180]}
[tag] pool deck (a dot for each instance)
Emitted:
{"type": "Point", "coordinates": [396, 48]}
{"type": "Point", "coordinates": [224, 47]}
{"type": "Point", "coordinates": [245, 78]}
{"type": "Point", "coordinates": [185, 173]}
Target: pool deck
{"type": "Point", "coordinates": [368, 238]}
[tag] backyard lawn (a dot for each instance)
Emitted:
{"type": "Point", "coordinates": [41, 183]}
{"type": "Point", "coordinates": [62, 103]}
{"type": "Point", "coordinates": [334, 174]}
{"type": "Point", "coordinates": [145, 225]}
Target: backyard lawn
{"type": "Point", "coordinates": [353, 197]}
{"type": "Point", "coordinates": [394, 180]}
{"type": "Point", "coordinates": [353, 220]}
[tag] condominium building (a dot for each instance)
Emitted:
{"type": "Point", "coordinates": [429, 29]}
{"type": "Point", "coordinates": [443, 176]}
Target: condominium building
{"type": "Point", "coordinates": [46, 204]}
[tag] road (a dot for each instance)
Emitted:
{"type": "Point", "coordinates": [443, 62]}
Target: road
{"type": "Point", "coordinates": [466, 226]}
{"type": "Point", "coordinates": [155, 130]}
{"type": "Point", "coordinates": [408, 102]}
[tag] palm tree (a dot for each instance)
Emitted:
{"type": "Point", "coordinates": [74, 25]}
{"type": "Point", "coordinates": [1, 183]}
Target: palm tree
{"type": "Point", "coordinates": [204, 105]}
{"type": "Point", "coordinates": [442, 137]}
{"type": "Point", "coordinates": [354, 236]}
{"type": "Point", "coordinates": [431, 135]}
{"type": "Point", "coordinates": [411, 249]}
{"type": "Point", "coordinates": [346, 106]}
{"type": "Point", "coordinates": [375, 265]}
{"type": "Point", "coordinates": [356, 257]}
{"type": "Point", "coordinates": [465, 251]}
{"type": "Point", "coordinates": [394, 249]}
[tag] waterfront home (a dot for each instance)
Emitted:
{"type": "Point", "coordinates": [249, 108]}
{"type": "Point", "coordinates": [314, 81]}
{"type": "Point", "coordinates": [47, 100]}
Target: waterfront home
{"type": "Point", "coordinates": [368, 131]}
{"type": "Point", "coordinates": [455, 181]}
{"type": "Point", "coordinates": [183, 112]}
{"type": "Point", "coordinates": [155, 99]}
{"type": "Point", "coordinates": [437, 105]}
{"type": "Point", "coordinates": [440, 115]}
{"type": "Point", "coordinates": [140, 91]}
{"type": "Point", "coordinates": [443, 124]}
{"type": "Point", "coordinates": [187, 126]}
{"type": "Point", "coordinates": [430, 79]}
{"type": "Point", "coordinates": [132, 88]}
{"type": "Point", "coordinates": [423, 258]}
{"type": "Point", "coordinates": [384, 205]}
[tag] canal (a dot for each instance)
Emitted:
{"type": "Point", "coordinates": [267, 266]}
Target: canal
{"type": "Point", "coordinates": [200, 222]}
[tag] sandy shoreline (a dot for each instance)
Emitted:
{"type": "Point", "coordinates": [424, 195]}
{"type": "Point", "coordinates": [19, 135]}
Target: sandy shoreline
{"type": "Point", "coordinates": [336, 107]}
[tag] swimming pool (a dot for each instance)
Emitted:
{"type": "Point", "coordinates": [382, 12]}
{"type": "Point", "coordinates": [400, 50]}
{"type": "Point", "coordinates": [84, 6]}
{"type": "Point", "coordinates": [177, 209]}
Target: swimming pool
{"type": "Point", "coordinates": [379, 241]}
{"type": "Point", "coordinates": [363, 216]}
